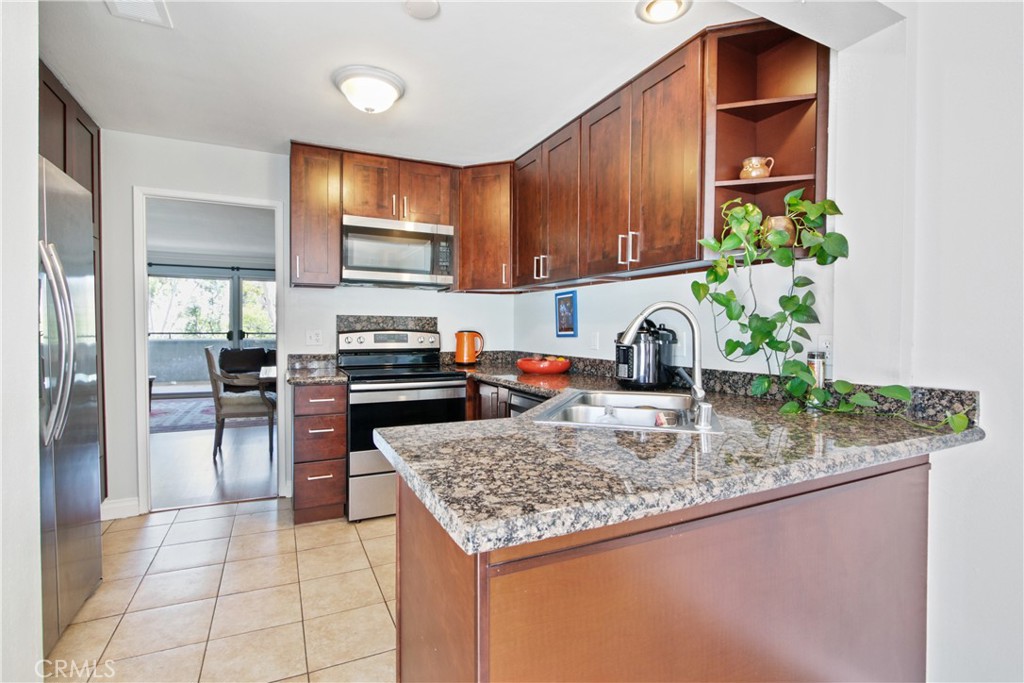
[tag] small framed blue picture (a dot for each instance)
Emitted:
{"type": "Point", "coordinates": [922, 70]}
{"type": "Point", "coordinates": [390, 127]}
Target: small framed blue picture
{"type": "Point", "coordinates": [565, 314]}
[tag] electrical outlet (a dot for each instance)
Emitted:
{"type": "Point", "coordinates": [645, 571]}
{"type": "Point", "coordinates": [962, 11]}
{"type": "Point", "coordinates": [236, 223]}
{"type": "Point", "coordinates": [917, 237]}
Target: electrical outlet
{"type": "Point", "coordinates": [825, 344]}
{"type": "Point", "coordinates": [595, 343]}
{"type": "Point", "coordinates": [314, 338]}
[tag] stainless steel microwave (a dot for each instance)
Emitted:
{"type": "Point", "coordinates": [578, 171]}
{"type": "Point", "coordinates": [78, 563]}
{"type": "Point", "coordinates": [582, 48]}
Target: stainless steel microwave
{"type": "Point", "coordinates": [379, 251]}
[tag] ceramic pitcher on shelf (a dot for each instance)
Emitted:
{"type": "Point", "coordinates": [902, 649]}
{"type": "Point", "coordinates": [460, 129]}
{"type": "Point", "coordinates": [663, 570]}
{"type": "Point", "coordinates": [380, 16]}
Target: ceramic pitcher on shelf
{"type": "Point", "coordinates": [757, 167]}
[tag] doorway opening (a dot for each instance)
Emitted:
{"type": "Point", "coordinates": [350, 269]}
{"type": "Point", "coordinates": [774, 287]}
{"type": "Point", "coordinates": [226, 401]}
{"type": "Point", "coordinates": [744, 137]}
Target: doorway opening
{"type": "Point", "coordinates": [211, 302]}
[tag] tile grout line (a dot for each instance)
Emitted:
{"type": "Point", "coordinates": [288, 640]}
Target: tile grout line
{"type": "Point", "coordinates": [216, 601]}
{"type": "Point", "coordinates": [135, 592]}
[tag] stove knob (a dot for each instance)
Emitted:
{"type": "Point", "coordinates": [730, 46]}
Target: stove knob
{"type": "Point", "coordinates": [360, 340]}
{"type": "Point", "coordinates": [419, 340]}
{"type": "Point", "coordinates": [431, 340]}
{"type": "Point", "coordinates": [348, 340]}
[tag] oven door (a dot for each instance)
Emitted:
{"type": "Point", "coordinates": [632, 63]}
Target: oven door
{"type": "Point", "coordinates": [397, 252]}
{"type": "Point", "coordinates": [371, 482]}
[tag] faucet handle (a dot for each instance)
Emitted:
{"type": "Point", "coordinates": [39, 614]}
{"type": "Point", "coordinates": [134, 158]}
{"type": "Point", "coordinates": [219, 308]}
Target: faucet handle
{"type": "Point", "coordinates": [702, 415]}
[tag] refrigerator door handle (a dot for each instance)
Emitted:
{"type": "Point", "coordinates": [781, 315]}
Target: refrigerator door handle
{"type": "Point", "coordinates": [70, 335]}
{"type": "Point", "coordinates": [50, 428]}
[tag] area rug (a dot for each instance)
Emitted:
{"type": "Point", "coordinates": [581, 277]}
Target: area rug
{"type": "Point", "coordinates": [188, 414]}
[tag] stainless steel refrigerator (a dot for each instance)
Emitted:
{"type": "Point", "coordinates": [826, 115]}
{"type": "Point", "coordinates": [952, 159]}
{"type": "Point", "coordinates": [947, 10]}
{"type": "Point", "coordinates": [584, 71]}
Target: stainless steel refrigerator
{"type": "Point", "coordinates": [69, 467]}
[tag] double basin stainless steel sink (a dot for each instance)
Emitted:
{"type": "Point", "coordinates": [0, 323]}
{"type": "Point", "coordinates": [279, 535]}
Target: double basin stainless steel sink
{"type": "Point", "coordinates": [631, 410]}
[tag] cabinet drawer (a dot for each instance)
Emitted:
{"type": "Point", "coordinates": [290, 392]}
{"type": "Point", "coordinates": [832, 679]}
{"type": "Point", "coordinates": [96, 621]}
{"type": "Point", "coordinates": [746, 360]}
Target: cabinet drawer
{"type": "Point", "coordinates": [321, 400]}
{"type": "Point", "coordinates": [320, 483]}
{"type": "Point", "coordinates": [319, 437]}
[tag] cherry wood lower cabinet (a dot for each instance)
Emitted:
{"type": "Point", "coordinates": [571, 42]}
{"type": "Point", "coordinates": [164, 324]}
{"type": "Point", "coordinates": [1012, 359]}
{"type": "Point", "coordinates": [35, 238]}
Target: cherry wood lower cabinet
{"type": "Point", "coordinates": [320, 440]}
{"type": "Point", "coordinates": [817, 581]}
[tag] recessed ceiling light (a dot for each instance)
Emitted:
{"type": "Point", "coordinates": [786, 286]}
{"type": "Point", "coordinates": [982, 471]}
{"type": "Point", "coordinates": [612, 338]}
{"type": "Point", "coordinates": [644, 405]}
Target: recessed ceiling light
{"type": "Point", "coordinates": [153, 12]}
{"type": "Point", "coordinates": [422, 9]}
{"type": "Point", "coordinates": [662, 11]}
{"type": "Point", "coordinates": [369, 88]}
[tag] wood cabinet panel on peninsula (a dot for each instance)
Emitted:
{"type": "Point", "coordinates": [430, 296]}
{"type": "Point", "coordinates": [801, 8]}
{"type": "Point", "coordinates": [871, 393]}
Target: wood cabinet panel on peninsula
{"type": "Point", "coordinates": [817, 581]}
{"type": "Point", "coordinates": [320, 451]}
{"type": "Point", "coordinates": [485, 227]}
{"type": "Point", "coordinates": [315, 216]}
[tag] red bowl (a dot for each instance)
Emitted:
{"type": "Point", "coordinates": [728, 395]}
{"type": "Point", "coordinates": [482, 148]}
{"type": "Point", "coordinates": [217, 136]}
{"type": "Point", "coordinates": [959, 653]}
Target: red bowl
{"type": "Point", "coordinates": [543, 367]}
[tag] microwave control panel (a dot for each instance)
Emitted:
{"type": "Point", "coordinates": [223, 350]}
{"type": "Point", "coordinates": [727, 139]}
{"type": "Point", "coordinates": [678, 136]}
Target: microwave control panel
{"type": "Point", "coordinates": [444, 257]}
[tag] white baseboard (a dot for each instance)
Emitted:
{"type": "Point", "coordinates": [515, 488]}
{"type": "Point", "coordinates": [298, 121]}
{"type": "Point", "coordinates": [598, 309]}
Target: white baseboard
{"type": "Point", "coordinates": [116, 508]}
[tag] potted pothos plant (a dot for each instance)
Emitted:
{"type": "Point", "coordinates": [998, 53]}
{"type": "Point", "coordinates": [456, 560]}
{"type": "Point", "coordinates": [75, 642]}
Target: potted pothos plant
{"type": "Point", "coordinates": [744, 329]}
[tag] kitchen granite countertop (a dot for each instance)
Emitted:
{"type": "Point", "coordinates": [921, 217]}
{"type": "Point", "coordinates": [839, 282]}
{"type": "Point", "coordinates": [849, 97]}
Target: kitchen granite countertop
{"type": "Point", "coordinates": [493, 484]}
{"type": "Point", "coordinates": [498, 483]}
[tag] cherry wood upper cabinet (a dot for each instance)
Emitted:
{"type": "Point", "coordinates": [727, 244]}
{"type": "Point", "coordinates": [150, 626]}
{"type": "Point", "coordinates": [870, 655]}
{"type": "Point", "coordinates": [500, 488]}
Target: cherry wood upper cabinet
{"type": "Point", "coordinates": [315, 216]}
{"type": "Point", "coordinates": [385, 187]}
{"type": "Point", "coordinates": [605, 166]}
{"type": "Point", "coordinates": [425, 192]}
{"type": "Point", "coordinates": [485, 227]}
{"type": "Point", "coordinates": [370, 185]}
{"type": "Point", "coordinates": [561, 154]}
{"type": "Point", "coordinates": [529, 239]}
{"type": "Point", "coordinates": [69, 138]}
{"type": "Point", "coordinates": [665, 179]}
{"type": "Point", "coordinates": [547, 189]}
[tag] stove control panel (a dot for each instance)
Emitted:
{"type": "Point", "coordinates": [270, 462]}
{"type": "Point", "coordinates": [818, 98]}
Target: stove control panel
{"type": "Point", "coordinates": [388, 340]}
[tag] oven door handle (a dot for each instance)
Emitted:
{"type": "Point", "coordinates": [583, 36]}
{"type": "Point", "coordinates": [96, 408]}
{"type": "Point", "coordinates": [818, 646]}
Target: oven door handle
{"type": "Point", "coordinates": [359, 387]}
{"type": "Point", "coordinates": [393, 395]}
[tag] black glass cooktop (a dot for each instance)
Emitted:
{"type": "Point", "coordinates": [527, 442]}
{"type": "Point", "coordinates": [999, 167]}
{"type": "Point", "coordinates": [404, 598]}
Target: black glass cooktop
{"type": "Point", "coordinates": [357, 375]}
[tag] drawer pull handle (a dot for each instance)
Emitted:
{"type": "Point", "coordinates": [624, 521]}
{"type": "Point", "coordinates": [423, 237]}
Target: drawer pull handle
{"type": "Point", "coordinates": [320, 431]}
{"type": "Point", "coordinates": [321, 400]}
{"type": "Point", "coordinates": [322, 476]}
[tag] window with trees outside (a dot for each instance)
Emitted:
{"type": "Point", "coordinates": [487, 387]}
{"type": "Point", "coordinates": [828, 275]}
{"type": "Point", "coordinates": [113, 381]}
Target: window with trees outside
{"type": "Point", "coordinates": [187, 312]}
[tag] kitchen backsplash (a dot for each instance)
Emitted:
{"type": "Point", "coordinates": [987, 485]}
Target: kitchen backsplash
{"type": "Point", "coordinates": [352, 323]}
{"type": "Point", "coordinates": [928, 403]}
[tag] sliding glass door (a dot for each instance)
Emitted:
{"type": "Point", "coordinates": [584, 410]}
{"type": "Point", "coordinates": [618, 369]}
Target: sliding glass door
{"type": "Point", "coordinates": [193, 307]}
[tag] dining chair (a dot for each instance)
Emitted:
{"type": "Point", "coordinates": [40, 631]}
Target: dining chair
{"type": "Point", "coordinates": [238, 395]}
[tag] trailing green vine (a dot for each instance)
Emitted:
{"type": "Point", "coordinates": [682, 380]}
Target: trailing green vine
{"type": "Point", "coordinates": [778, 336]}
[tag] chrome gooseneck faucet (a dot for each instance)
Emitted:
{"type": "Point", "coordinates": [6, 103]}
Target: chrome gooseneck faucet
{"type": "Point", "coordinates": [629, 336]}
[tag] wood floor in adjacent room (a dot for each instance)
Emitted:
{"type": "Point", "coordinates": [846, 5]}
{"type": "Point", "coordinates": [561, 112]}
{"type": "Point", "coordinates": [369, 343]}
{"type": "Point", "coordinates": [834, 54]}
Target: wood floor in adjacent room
{"type": "Point", "coordinates": [183, 472]}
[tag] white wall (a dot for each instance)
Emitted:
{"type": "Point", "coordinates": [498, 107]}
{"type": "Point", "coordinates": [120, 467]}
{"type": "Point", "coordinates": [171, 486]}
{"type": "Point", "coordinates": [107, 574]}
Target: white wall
{"type": "Point", "coordinates": [604, 310]}
{"type": "Point", "coordinates": [967, 325]}
{"type": "Point", "coordinates": [131, 160]}
{"type": "Point", "coordinates": [21, 622]}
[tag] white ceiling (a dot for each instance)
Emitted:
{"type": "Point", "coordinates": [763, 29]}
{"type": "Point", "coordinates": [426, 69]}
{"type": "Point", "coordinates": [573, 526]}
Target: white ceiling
{"type": "Point", "coordinates": [185, 232]}
{"type": "Point", "coordinates": [486, 80]}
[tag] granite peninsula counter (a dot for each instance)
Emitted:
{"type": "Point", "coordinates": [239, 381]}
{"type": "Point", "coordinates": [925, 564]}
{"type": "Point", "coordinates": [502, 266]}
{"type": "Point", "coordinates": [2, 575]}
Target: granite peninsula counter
{"type": "Point", "coordinates": [498, 483]}
{"type": "Point", "coordinates": [786, 548]}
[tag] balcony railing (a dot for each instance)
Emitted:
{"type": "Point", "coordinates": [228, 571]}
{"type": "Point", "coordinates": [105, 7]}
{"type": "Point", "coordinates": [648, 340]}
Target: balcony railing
{"type": "Point", "coordinates": [179, 357]}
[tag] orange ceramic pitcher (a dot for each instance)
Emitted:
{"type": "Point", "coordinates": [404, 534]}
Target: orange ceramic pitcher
{"type": "Point", "coordinates": [468, 346]}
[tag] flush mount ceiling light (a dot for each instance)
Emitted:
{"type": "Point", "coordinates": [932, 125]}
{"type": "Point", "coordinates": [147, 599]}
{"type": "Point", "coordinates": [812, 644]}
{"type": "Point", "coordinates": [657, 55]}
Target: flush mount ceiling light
{"type": "Point", "coordinates": [662, 11]}
{"type": "Point", "coordinates": [369, 88]}
{"type": "Point", "coordinates": [422, 9]}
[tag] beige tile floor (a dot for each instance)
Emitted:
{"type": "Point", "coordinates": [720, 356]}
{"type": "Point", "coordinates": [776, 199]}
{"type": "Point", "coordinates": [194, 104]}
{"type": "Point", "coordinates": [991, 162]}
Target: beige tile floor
{"type": "Point", "coordinates": [236, 592]}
